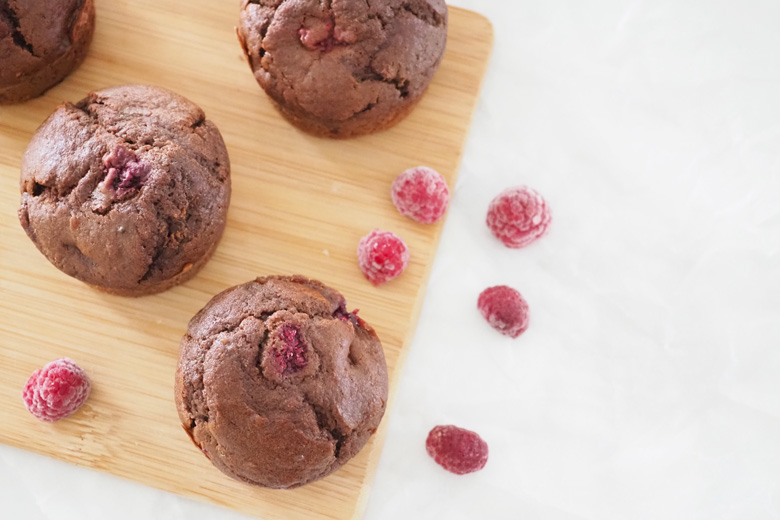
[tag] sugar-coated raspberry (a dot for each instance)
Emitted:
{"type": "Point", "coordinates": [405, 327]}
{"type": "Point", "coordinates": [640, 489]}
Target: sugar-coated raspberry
{"type": "Point", "coordinates": [382, 256]}
{"type": "Point", "coordinates": [518, 216]}
{"type": "Point", "coordinates": [421, 194]}
{"type": "Point", "coordinates": [457, 450]}
{"type": "Point", "coordinates": [56, 391]}
{"type": "Point", "coordinates": [505, 309]}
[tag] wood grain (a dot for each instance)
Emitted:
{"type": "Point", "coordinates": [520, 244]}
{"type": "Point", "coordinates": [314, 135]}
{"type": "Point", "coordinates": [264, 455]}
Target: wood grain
{"type": "Point", "coordinates": [300, 204]}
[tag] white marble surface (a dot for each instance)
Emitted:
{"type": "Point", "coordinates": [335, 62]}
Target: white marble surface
{"type": "Point", "coordinates": [648, 385]}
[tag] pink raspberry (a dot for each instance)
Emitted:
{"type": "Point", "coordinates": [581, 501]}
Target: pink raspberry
{"type": "Point", "coordinates": [505, 309]}
{"type": "Point", "coordinates": [518, 216]}
{"type": "Point", "coordinates": [382, 256]}
{"type": "Point", "coordinates": [125, 173]}
{"type": "Point", "coordinates": [457, 450]}
{"type": "Point", "coordinates": [291, 355]}
{"type": "Point", "coordinates": [421, 194]}
{"type": "Point", "coordinates": [324, 35]}
{"type": "Point", "coordinates": [56, 391]}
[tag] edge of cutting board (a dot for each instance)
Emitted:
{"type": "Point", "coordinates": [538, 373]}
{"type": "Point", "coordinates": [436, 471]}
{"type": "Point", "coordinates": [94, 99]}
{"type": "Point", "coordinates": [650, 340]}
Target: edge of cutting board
{"type": "Point", "coordinates": [376, 453]}
{"type": "Point", "coordinates": [481, 31]}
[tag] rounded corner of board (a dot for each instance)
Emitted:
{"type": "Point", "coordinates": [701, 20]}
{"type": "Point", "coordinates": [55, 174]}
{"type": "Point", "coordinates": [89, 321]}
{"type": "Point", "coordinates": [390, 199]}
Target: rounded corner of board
{"type": "Point", "coordinates": [480, 24]}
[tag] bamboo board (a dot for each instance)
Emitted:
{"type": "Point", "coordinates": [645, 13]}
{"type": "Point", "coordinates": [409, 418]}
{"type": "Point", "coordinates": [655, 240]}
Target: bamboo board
{"type": "Point", "coordinates": [300, 204]}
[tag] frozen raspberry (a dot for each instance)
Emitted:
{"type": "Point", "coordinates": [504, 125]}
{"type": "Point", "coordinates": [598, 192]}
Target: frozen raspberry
{"type": "Point", "coordinates": [125, 173]}
{"type": "Point", "coordinates": [421, 194]}
{"type": "Point", "coordinates": [291, 355]}
{"type": "Point", "coordinates": [457, 450]}
{"type": "Point", "coordinates": [56, 391]}
{"type": "Point", "coordinates": [382, 256]}
{"type": "Point", "coordinates": [505, 309]}
{"type": "Point", "coordinates": [518, 216]}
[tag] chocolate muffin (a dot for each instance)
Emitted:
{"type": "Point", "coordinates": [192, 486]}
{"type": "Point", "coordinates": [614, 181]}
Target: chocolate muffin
{"type": "Point", "coordinates": [342, 68]}
{"type": "Point", "coordinates": [41, 42]}
{"type": "Point", "coordinates": [127, 190]}
{"type": "Point", "coordinates": [278, 384]}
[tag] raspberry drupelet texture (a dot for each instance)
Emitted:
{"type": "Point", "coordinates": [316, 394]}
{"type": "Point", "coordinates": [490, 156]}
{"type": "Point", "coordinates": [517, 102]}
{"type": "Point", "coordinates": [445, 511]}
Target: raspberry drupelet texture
{"type": "Point", "coordinates": [125, 173]}
{"type": "Point", "coordinates": [291, 356]}
{"type": "Point", "coordinates": [505, 309]}
{"type": "Point", "coordinates": [56, 391]}
{"type": "Point", "coordinates": [457, 450]}
{"type": "Point", "coordinates": [382, 256]}
{"type": "Point", "coordinates": [518, 216]}
{"type": "Point", "coordinates": [421, 194]}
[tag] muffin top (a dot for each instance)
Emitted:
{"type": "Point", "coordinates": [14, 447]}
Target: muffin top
{"type": "Point", "coordinates": [346, 59]}
{"type": "Point", "coordinates": [35, 32]}
{"type": "Point", "coordinates": [278, 384]}
{"type": "Point", "coordinates": [125, 189]}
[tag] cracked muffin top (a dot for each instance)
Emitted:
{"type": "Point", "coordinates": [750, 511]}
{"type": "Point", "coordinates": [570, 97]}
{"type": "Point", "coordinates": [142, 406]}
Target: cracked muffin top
{"type": "Point", "coordinates": [341, 68]}
{"type": "Point", "coordinates": [41, 42]}
{"type": "Point", "coordinates": [278, 384]}
{"type": "Point", "coordinates": [127, 190]}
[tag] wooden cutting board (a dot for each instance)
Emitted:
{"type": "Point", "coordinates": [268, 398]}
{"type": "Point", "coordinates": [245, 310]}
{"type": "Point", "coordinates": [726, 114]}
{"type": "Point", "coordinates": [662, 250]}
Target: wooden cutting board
{"type": "Point", "coordinates": [300, 205]}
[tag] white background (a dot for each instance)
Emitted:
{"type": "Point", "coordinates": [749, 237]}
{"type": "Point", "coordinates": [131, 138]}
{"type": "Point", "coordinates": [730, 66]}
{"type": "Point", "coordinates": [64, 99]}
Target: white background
{"type": "Point", "coordinates": [648, 385]}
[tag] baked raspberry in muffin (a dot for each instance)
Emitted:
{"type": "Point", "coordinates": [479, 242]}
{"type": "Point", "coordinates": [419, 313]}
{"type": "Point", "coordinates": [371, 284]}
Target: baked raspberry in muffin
{"type": "Point", "coordinates": [278, 384]}
{"type": "Point", "coordinates": [344, 68]}
{"type": "Point", "coordinates": [127, 190]}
